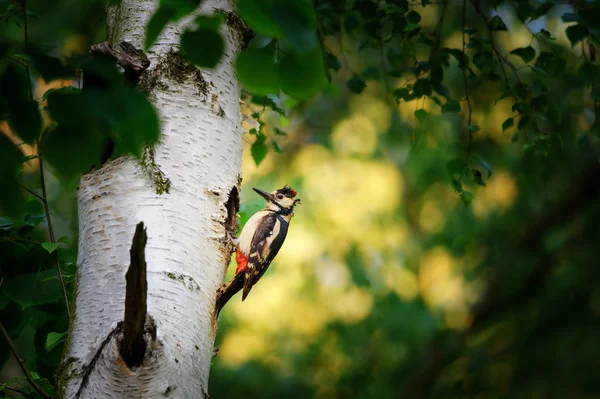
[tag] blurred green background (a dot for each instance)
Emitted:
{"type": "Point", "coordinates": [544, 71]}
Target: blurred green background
{"type": "Point", "coordinates": [403, 275]}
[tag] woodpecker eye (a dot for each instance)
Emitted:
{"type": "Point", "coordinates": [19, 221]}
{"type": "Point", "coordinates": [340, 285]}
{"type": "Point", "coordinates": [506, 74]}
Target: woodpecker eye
{"type": "Point", "coordinates": [279, 196]}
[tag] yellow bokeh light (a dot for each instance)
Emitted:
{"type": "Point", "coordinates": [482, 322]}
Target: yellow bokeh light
{"type": "Point", "coordinates": [442, 286]}
{"type": "Point", "coordinates": [355, 136]}
{"type": "Point", "coordinates": [373, 109]}
{"type": "Point", "coordinates": [401, 280]}
{"type": "Point", "coordinates": [499, 194]}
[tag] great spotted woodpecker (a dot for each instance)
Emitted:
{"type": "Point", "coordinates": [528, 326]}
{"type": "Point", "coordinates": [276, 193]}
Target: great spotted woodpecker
{"type": "Point", "coordinates": [260, 240]}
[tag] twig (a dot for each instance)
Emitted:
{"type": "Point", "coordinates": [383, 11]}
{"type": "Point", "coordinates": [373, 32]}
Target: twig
{"type": "Point", "coordinates": [26, 43]}
{"type": "Point", "coordinates": [18, 61]}
{"type": "Point", "coordinates": [587, 60]}
{"type": "Point", "coordinates": [499, 55]}
{"type": "Point", "coordinates": [43, 197]}
{"type": "Point", "coordinates": [464, 73]}
{"type": "Point", "coordinates": [51, 232]}
{"type": "Point", "coordinates": [384, 69]}
{"type": "Point", "coordinates": [22, 364]}
{"type": "Point", "coordinates": [18, 391]}
{"type": "Point", "coordinates": [33, 193]}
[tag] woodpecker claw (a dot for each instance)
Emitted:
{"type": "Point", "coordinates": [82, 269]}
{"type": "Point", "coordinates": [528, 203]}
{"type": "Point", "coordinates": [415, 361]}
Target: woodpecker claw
{"type": "Point", "coordinates": [233, 239]}
{"type": "Point", "coordinates": [230, 239]}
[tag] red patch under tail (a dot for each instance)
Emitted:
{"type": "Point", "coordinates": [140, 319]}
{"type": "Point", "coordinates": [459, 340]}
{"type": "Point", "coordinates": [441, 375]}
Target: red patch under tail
{"type": "Point", "coordinates": [242, 262]}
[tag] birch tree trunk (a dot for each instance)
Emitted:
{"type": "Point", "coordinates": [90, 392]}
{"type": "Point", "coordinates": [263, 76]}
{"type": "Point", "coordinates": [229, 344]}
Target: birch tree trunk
{"type": "Point", "coordinates": [185, 192]}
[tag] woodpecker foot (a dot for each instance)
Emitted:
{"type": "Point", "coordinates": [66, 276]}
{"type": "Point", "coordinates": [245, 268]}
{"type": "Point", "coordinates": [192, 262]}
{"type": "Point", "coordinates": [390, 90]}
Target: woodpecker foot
{"type": "Point", "coordinates": [215, 352]}
{"type": "Point", "coordinates": [230, 239]}
{"type": "Point", "coordinates": [233, 239]}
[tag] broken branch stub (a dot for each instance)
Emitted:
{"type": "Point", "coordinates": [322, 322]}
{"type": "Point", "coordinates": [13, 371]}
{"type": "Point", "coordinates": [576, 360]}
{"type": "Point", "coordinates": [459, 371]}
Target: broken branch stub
{"type": "Point", "coordinates": [133, 346]}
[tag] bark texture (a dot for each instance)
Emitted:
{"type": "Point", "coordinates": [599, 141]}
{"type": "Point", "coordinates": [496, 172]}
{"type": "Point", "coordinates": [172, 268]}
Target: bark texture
{"type": "Point", "coordinates": [180, 190]}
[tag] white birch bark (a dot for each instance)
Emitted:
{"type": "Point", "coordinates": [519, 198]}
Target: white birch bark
{"type": "Point", "coordinates": [200, 155]}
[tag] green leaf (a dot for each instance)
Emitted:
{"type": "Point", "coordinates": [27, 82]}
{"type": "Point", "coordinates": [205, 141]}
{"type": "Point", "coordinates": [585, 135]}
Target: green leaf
{"type": "Point", "coordinates": [133, 120]}
{"type": "Point", "coordinates": [421, 114]}
{"type": "Point", "coordinates": [302, 76]}
{"type": "Point", "coordinates": [413, 17]}
{"type": "Point", "coordinates": [401, 94]}
{"type": "Point", "coordinates": [168, 11]}
{"type": "Point", "coordinates": [466, 197]}
{"type": "Point", "coordinates": [507, 124]}
{"type": "Point", "coordinates": [570, 17]}
{"type": "Point", "coordinates": [550, 63]}
{"type": "Point", "coordinates": [26, 120]}
{"type": "Point", "coordinates": [259, 151]}
{"type": "Point", "coordinates": [277, 148]}
{"type": "Point", "coordinates": [203, 47]}
{"type": "Point", "coordinates": [64, 240]}
{"type": "Point", "coordinates": [422, 87]}
{"type": "Point", "coordinates": [356, 84]}
{"type": "Point", "coordinates": [527, 54]}
{"type": "Point", "coordinates": [257, 14]}
{"type": "Point", "coordinates": [451, 106]}
{"type": "Point", "coordinates": [22, 112]}
{"type": "Point", "coordinates": [10, 162]}
{"type": "Point", "coordinates": [49, 67]}
{"type": "Point", "coordinates": [473, 128]}
{"type": "Point", "coordinates": [496, 23]}
{"type": "Point", "coordinates": [576, 33]}
{"type": "Point", "coordinates": [32, 289]}
{"type": "Point", "coordinates": [487, 167]}
{"type": "Point", "coordinates": [71, 151]}
{"type": "Point", "coordinates": [256, 70]}
{"type": "Point", "coordinates": [157, 23]}
{"type": "Point", "coordinates": [280, 132]}
{"type": "Point", "coordinates": [54, 339]}
{"type": "Point", "coordinates": [50, 246]}
{"type": "Point", "coordinates": [411, 29]}
{"type": "Point", "coordinates": [478, 178]}
{"type": "Point", "coordinates": [462, 58]}
{"type": "Point", "coordinates": [297, 23]}
{"type": "Point", "coordinates": [545, 33]}
{"type": "Point", "coordinates": [483, 60]}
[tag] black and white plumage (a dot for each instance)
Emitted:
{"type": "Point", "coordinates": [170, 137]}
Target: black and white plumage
{"type": "Point", "coordinates": [260, 241]}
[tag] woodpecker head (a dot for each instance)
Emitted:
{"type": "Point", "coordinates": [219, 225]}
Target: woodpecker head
{"type": "Point", "coordinates": [280, 200]}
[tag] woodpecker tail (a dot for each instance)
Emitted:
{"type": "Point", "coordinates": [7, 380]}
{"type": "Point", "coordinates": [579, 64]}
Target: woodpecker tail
{"type": "Point", "coordinates": [228, 290]}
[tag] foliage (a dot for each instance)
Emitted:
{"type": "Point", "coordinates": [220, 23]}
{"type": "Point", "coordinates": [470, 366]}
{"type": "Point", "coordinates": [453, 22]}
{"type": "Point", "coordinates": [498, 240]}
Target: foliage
{"type": "Point", "coordinates": [484, 163]}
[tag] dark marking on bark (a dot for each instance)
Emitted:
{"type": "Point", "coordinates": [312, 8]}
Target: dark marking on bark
{"type": "Point", "coordinates": [160, 181]}
{"type": "Point", "coordinates": [87, 370]}
{"type": "Point", "coordinates": [173, 67]}
{"type": "Point", "coordinates": [241, 32]}
{"type": "Point", "coordinates": [133, 345]}
{"type": "Point", "coordinates": [216, 107]}
{"type": "Point", "coordinates": [168, 391]}
{"type": "Point", "coordinates": [233, 207]}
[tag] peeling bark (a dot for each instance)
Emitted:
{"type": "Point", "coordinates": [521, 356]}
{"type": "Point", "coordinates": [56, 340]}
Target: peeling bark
{"type": "Point", "coordinates": [186, 191]}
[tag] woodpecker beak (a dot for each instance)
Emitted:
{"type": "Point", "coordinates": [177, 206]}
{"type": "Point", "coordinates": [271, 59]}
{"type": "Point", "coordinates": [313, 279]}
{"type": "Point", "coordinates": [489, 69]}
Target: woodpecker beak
{"type": "Point", "coordinates": [264, 194]}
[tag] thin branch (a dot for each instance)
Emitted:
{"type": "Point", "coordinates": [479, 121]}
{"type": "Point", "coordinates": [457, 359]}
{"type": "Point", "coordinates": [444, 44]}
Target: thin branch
{"type": "Point", "coordinates": [51, 233]}
{"type": "Point", "coordinates": [464, 73]}
{"type": "Point", "coordinates": [43, 197]}
{"type": "Point", "coordinates": [18, 391]}
{"type": "Point", "coordinates": [589, 60]}
{"type": "Point", "coordinates": [18, 61]}
{"type": "Point", "coordinates": [384, 69]}
{"type": "Point", "coordinates": [33, 193]}
{"type": "Point", "coordinates": [26, 42]}
{"type": "Point", "coordinates": [22, 364]}
{"type": "Point", "coordinates": [499, 55]}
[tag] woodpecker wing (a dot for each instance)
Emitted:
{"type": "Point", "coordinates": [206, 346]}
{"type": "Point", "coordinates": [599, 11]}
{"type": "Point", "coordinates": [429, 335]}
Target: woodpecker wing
{"type": "Point", "coordinates": [266, 242]}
